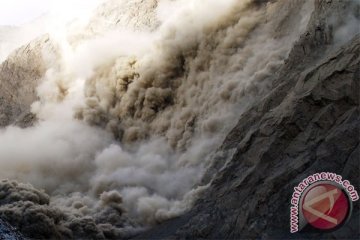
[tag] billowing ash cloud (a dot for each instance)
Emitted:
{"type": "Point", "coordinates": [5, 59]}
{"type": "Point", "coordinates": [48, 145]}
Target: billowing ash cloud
{"type": "Point", "coordinates": [28, 208]}
{"type": "Point", "coordinates": [132, 108]}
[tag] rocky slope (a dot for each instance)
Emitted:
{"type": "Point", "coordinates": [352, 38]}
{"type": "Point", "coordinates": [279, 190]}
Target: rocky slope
{"type": "Point", "coordinates": [20, 74]}
{"type": "Point", "coordinates": [307, 126]}
{"type": "Point", "coordinates": [305, 121]}
{"type": "Point", "coordinates": [308, 123]}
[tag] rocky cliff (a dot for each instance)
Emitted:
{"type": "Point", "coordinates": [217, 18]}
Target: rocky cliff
{"type": "Point", "coordinates": [20, 74]}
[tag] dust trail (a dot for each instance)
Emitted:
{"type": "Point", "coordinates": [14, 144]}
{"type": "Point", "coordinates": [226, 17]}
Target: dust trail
{"type": "Point", "coordinates": [130, 112]}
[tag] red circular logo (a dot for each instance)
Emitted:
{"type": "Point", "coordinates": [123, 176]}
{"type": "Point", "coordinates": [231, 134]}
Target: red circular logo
{"type": "Point", "coordinates": [325, 206]}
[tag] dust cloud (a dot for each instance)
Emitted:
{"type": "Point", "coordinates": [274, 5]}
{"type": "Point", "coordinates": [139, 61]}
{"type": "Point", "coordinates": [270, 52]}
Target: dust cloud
{"type": "Point", "coordinates": [131, 112]}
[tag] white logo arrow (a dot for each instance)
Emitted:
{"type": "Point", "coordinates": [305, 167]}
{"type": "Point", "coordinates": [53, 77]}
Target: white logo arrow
{"type": "Point", "coordinates": [330, 195]}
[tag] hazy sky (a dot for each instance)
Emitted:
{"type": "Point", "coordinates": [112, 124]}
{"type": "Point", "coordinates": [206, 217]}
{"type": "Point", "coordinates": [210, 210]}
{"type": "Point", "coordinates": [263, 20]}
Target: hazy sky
{"type": "Point", "coordinates": [17, 12]}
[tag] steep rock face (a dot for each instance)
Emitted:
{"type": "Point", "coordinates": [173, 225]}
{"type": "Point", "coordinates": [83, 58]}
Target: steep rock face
{"type": "Point", "coordinates": [308, 123]}
{"type": "Point", "coordinates": [20, 74]}
{"type": "Point", "coordinates": [314, 129]}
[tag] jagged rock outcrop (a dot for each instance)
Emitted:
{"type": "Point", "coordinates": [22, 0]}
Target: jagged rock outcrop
{"type": "Point", "coordinates": [20, 74]}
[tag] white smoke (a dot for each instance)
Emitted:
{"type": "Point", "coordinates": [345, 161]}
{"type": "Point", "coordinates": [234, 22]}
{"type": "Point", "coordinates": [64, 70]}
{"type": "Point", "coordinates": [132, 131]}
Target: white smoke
{"type": "Point", "coordinates": [53, 17]}
{"type": "Point", "coordinates": [156, 103]}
